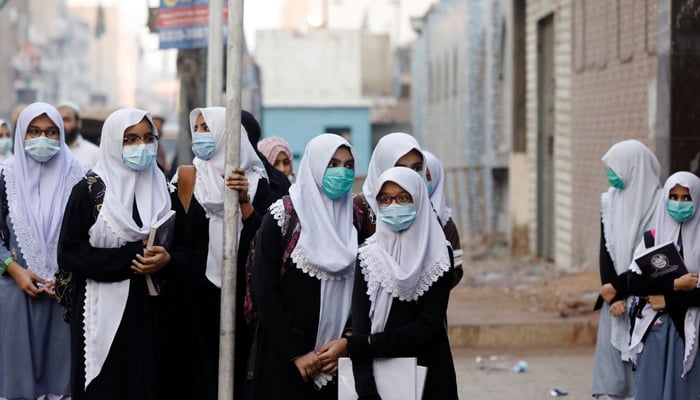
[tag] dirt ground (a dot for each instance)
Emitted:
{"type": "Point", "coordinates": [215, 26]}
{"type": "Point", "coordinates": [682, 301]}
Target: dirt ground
{"type": "Point", "coordinates": [495, 282]}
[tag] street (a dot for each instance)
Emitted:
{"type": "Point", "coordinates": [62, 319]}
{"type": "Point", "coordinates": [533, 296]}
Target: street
{"type": "Point", "coordinates": [566, 369]}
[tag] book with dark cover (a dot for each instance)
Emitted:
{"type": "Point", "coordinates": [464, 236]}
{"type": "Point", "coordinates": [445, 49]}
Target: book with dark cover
{"type": "Point", "coordinates": [161, 234]}
{"type": "Point", "coordinates": [662, 260]}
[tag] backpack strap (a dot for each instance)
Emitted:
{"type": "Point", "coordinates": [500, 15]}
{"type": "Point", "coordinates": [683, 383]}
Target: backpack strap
{"type": "Point", "coordinates": [290, 235]}
{"type": "Point", "coordinates": [291, 230]}
{"type": "Point", "coordinates": [185, 185]}
{"type": "Point", "coordinates": [5, 209]}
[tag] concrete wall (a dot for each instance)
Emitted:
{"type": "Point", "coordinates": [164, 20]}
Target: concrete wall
{"type": "Point", "coordinates": [563, 229]}
{"type": "Point", "coordinates": [458, 104]}
{"type": "Point", "coordinates": [299, 125]}
{"type": "Point", "coordinates": [319, 67]}
{"type": "Point", "coordinates": [448, 66]}
{"type": "Point", "coordinates": [377, 65]}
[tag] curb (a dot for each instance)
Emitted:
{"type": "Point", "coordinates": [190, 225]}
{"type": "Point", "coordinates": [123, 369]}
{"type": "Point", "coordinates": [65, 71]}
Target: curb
{"type": "Point", "coordinates": [564, 333]}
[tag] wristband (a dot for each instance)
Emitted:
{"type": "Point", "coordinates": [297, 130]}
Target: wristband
{"type": "Point", "coordinates": [6, 264]}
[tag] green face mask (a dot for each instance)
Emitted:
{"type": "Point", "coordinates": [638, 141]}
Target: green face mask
{"type": "Point", "coordinates": [614, 180]}
{"type": "Point", "coordinates": [680, 211]}
{"type": "Point", "coordinates": [337, 182]}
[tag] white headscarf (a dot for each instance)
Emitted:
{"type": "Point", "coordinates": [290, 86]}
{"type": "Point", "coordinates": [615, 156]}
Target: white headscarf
{"type": "Point", "coordinates": [627, 214]}
{"type": "Point", "coordinates": [209, 189]}
{"type": "Point", "coordinates": [37, 193]}
{"type": "Point", "coordinates": [667, 229]}
{"type": "Point", "coordinates": [327, 246]}
{"type": "Point", "coordinates": [437, 177]}
{"type": "Point", "coordinates": [403, 265]}
{"type": "Point", "coordinates": [390, 148]}
{"type": "Point", "coordinates": [114, 227]}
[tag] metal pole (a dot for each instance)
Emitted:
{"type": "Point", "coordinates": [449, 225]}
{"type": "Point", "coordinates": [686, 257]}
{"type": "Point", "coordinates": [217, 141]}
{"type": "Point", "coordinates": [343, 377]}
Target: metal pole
{"type": "Point", "coordinates": [227, 329]}
{"type": "Point", "coordinates": [215, 53]}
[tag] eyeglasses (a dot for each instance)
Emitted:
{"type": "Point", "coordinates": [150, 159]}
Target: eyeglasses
{"type": "Point", "coordinates": [401, 198]}
{"type": "Point", "coordinates": [35, 132]}
{"type": "Point", "coordinates": [132, 139]}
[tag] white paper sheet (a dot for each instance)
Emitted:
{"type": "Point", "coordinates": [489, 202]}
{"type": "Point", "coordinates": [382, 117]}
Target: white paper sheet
{"type": "Point", "coordinates": [396, 379]}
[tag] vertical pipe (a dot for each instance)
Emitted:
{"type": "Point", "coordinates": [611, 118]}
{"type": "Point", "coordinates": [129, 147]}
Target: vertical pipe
{"type": "Point", "coordinates": [227, 329]}
{"type": "Point", "coordinates": [215, 53]}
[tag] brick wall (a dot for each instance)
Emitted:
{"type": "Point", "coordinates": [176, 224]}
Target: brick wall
{"type": "Point", "coordinates": [613, 87]}
{"type": "Point", "coordinates": [605, 87]}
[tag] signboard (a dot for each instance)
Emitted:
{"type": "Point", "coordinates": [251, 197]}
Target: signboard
{"type": "Point", "coordinates": [184, 24]}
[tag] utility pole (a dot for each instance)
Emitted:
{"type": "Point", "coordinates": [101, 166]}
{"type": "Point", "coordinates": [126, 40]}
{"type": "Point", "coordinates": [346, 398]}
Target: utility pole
{"type": "Point", "coordinates": [215, 53]}
{"type": "Point", "coordinates": [227, 328]}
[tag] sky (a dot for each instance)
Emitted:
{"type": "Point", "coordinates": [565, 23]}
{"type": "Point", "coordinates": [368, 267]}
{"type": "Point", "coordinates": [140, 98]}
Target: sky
{"type": "Point", "coordinates": [160, 65]}
{"type": "Point", "coordinates": [258, 14]}
{"type": "Point", "coordinates": [265, 14]}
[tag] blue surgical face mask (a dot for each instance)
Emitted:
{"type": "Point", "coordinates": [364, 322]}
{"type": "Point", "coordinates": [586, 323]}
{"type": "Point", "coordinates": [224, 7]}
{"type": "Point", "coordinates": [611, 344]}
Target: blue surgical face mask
{"type": "Point", "coordinates": [139, 157]}
{"type": "Point", "coordinates": [42, 149]}
{"type": "Point", "coordinates": [203, 145]}
{"type": "Point", "coordinates": [398, 217]}
{"type": "Point", "coordinates": [5, 144]}
{"type": "Point", "coordinates": [614, 180]}
{"type": "Point", "coordinates": [680, 211]}
{"type": "Point", "coordinates": [337, 182]}
{"type": "Point", "coordinates": [430, 188]}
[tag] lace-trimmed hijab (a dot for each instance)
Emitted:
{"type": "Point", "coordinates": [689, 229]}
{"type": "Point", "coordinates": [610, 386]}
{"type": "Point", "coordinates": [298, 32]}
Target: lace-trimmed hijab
{"type": "Point", "coordinates": [403, 265]}
{"type": "Point", "coordinates": [37, 193]}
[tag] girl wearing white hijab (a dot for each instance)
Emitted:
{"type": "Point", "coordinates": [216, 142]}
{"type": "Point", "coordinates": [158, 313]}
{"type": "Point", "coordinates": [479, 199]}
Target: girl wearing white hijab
{"type": "Point", "coordinates": [107, 221]}
{"type": "Point", "coordinates": [34, 185]}
{"type": "Point", "coordinates": [304, 305]}
{"type": "Point", "coordinates": [195, 290]}
{"type": "Point", "coordinates": [666, 336]}
{"type": "Point", "coordinates": [402, 286]}
{"type": "Point", "coordinates": [5, 140]}
{"type": "Point", "coordinates": [628, 208]}
{"type": "Point", "coordinates": [396, 149]}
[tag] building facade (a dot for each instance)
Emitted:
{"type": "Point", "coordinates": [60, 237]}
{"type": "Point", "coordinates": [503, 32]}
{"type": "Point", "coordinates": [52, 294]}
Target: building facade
{"type": "Point", "coordinates": [535, 92]}
{"type": "Point", "coordinates": [459, 108]}
{"type": "Point", "coordinates": [323, 80]}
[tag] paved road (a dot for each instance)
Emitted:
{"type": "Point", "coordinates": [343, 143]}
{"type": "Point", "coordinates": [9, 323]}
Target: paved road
{"type": "Point", "coordinates": [566, 369]}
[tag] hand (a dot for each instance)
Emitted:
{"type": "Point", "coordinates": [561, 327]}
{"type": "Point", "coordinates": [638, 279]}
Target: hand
{"type": "Point", "coordinates": [686, 282]}
{"type": "Point", "coordinates": [237, 181]}
{"type": "Point", "coordinates": [657, 301]}
{"type": "Point", "coordinates": [329, 354]}
{"type": "Point", "coordinates": [617, 308]}
{"type": "Point", "coordinates": [154, 258]}
{"type": "Point", "coordinates": [26, 280]}
{"type": "Point", "coordinates": [49, 289]}
{"type": "Point", "coordinates": [308, 364]}
{"type": "Point", "coordinates": [608, 292]}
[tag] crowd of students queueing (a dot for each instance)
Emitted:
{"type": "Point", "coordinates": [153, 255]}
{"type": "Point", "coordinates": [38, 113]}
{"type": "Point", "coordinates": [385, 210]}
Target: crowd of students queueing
{"type": "Point", "coordinates": [322, 273]}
